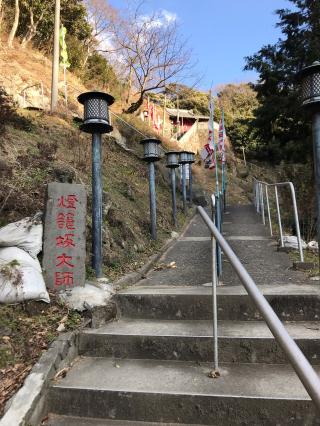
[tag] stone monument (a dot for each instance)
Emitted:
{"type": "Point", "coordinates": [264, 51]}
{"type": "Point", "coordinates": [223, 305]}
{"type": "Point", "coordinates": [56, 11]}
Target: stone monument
{"type": "Point", "coordinates": [64, 247]}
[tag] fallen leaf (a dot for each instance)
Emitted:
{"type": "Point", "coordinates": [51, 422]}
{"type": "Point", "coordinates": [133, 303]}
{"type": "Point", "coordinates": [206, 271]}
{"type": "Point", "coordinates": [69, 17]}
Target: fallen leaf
{"type": "Point", "coordinates": [214, 374]}
{"type": "Point", "coordinates": [61, 373]}
{"type": "Point", "coordinates": [63, 319]}
{"type": "Point", "coordinates": [61, 327]}
{"type": "Point", "coordinates": [159, 267]}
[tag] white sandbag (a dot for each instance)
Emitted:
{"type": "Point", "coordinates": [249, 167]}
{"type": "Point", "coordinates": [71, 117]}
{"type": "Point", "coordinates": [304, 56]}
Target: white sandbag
{"type": "Point", "coordinates": [20, 277]}
{"type": "Point", "coordinates": [25, 234]}
{"type": "Point", "coordinates": [313, 245]}
{"type": "Point", "coordinates": [291, 241]}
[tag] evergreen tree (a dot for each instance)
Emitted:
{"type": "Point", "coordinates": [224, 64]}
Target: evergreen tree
{"type": "Point", "coordinates": [239, 102]}
{"type": "Point", "coordinates": [279, 123]}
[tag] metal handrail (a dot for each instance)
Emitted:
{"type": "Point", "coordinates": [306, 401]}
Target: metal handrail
{"type": "Point", "coordinates": [299, 362]}
{"type": "Point", "coordinates": [261, 187]}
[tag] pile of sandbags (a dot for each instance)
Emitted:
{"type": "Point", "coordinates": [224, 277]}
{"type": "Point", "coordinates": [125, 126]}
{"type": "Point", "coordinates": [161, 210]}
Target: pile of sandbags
{"type": "Point", "coordinates": [291, 242]}
{"type": "Point", "coordinates": [20, 271]}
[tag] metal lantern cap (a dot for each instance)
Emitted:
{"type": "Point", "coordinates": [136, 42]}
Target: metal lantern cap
{"type": "Point", "coordinates": [172, 159]}
{"type": "Point", "coordinates": [183, 157]}
{"type": "Point", "coordinates": [191, 157]}
{"type": "Point", "coordinates": [310, 84]}
{"type": "Point", "coordinates": [151, 149]}
{"type": "Point", "coordinates": [96, 112]}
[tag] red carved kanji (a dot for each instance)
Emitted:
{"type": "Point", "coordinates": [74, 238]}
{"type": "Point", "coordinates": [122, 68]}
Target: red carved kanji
{"type": "Point", "coordinates": [60, 220]}
{"type": "Point", "coordinates": [65, 241]}
{"type": "Point", "coordinates": [64, 260]}
{"type": "Point", "coordinates": [68, 202]}
{"type": "Point", "coordinates": [70, 221]}
{"type": "Point", "coordinates": [65, 221]}
{"type": "Point", "coordinates": [63, 278]}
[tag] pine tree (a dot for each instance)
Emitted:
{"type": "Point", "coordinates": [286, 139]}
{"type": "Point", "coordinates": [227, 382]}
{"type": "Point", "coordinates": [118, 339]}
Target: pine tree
{"type": "Point", "coordinates": [279, 122]}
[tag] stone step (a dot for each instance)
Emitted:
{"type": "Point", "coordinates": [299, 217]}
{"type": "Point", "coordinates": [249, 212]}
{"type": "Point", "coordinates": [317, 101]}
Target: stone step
{"type": "Point", "coordinates": [291, 302]}
{"type": "Point", "coordinates": [239, 341]}
{"type": "Point", "coordinates": [182, 392]}
{"type": "Point", "coordinates": [81, 421]}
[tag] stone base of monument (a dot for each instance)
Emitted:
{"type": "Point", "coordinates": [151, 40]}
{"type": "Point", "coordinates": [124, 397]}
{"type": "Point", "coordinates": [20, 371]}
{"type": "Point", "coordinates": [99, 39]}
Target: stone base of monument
{"type": "Point", "coordinates": [93, 294]}
{"type": "Point", "coordinates": [94, 299]}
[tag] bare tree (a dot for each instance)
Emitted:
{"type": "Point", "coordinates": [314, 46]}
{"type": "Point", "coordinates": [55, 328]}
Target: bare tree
{"type": "Point", "coordinates": [100, 16]}
{"type": "Point", "coordinates": [1, 14]}
{"type": "Point", "coordinates": [15, 24]}
{"type": "Point", "coordinates": [152, 52]}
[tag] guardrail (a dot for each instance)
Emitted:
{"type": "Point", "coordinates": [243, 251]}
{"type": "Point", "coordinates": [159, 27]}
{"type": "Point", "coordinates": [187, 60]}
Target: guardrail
{"type": "Point", "coordinates": [260, 191]}
{"type": "Point", "coordinates": [23, 93]}
{"type": "Point", "coordinates": [299, 362]}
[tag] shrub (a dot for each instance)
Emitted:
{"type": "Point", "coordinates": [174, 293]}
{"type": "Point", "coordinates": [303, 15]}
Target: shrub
{"type": "Point", "coordinates": [9, 115]}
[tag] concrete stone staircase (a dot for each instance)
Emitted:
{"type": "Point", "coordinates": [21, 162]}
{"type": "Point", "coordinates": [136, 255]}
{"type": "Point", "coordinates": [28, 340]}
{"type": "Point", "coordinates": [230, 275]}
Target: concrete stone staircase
{"type": "Point", "coordinates": [150, 367]}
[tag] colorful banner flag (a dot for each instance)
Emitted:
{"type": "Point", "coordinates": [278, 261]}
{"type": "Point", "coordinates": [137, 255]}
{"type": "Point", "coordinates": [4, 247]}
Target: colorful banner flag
{"type": "Point", "coordinates": [211, 123]}
{"type": "Point", "coordinates": [64, 59]}
{"type": "Point", "coordinates": [214, 163]}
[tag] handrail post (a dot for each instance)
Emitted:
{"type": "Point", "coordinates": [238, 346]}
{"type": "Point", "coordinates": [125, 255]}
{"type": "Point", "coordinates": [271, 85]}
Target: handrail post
{"type": "Point", "coordinates": [279, 215]}
{"type": "Point", "coordinates": [268, 208]}
{"type": "Point", "coordinates": [214, 301]}
{"type": "Point", "coordinates": [262, 204]}
{"type": "Point", "coordinates": [214, 287]}
{"type": "Point", "coordinates": [299, 362]}
{"type": "Point", "coordinates": [213, 205]}
{"type": "Point", "coordinates": [296, 219]}
{"type": "Point", "coordinates": [295, 210]}
{"type": "Point", "coordinates": [218, 222]}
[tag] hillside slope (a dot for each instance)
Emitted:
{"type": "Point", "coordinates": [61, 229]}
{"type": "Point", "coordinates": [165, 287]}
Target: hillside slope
{"type": "Point", "coordinates": [54, 149]}
{"type": "Point", "coordinates": [24, 70]}
{"type": "Point", "coordinates": [51, 147]}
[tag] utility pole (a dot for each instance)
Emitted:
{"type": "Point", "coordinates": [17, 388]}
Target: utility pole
{"type": "Point", "coordinates": [55, 60]}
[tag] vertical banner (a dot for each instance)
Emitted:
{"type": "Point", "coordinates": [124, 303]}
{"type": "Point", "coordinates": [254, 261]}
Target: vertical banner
{"type": "Point", "coordinates": [64, 60]}
{"type": "Point", "coordinates": [221, 148]}
{"type": "Point", "coordinates": [211, 141]}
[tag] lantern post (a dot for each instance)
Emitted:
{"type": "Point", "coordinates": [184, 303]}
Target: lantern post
{"type": "Point", "coordinates": [152, 154]}
{"type": "Point", "coordinates": [96, 121]}
{"type": "Point", "coordinates": [172, 164]}
{"type": "Point", "coordinates": [309, 78]}
{"type": "Point", "coordinates": [183, 160]}
{"type": "Point", "coordinates": [191, 160]}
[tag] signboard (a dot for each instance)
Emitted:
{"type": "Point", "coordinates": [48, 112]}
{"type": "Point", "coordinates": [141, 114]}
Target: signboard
{"type": "Point", "coordinates": [64, 247]}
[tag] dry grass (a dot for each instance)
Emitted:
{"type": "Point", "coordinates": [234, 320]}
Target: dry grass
{"type": "Point", "coordinates": [26, 332]}
{"type": "Point", "coordinates": [20, 68]}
